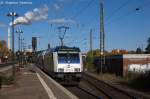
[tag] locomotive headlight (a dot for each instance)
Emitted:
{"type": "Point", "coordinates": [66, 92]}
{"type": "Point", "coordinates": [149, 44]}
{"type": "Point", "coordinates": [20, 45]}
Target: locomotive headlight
{"type": "Point", "coordinates": [77, 69]}
{"type": "Point", "coordinates": [60, 70]}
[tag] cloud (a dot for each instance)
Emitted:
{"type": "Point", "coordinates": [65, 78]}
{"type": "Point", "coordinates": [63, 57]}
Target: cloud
{"type": "Point", "coordinates": [35, 15]}
{"type": "Point", "coordinates": [56, 6]}
{"type": "Point", "coordinates": [61, 21]}
{"type": "Point", "coordinates": [59, 4]}
{"type": "Point", "coordinates": [21, 20]}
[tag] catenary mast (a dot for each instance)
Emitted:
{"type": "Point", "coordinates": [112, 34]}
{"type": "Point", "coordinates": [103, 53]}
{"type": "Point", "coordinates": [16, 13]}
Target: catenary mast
{"type": "Point", "coordinates": [102, 37]}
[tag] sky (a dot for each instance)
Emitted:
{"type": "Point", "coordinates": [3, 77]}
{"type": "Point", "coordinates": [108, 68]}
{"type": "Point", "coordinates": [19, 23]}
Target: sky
{"type": "Point", "coordinates": [126, 22]}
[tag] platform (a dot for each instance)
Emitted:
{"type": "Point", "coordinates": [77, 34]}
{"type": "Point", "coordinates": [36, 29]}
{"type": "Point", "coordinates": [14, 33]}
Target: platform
{"type": "Point", "coordinates": [31, 83]}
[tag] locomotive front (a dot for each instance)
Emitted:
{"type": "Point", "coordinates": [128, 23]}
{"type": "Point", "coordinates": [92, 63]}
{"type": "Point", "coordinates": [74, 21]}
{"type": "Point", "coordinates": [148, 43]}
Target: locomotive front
{"type": "Point", "coordinates": [68, 64]}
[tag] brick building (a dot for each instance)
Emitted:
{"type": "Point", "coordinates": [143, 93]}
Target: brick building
{"type": "Point", "coordinates": [123, 64]}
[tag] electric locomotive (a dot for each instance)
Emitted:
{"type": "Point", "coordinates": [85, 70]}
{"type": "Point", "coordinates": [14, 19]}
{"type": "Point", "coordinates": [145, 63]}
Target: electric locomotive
{"type": "Point", "coordinates": [64, 64]}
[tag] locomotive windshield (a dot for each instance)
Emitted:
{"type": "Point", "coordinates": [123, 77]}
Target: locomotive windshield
{"type": "Point", "coordinates": [68, 58]}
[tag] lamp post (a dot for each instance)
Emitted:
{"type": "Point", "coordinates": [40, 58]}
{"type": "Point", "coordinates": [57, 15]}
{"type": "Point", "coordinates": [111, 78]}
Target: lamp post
{"type": "Point", "coordinates": [13, 15]}
{"type": "Point", "coordinates": [19, 52]}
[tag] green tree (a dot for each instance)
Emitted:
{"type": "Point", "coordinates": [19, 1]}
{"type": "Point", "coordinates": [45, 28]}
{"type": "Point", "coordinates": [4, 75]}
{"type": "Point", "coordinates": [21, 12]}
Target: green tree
{"type": "Point", "coordinates": [147, 49]}
{"type": "Point", "coordinates": [132, 52]}
{"type": "Point", "coordinates": [89, 61]}
{"type": "Point", "coordinates": [139, 50]}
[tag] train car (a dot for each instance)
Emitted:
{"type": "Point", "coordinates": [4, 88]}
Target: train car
{"type": "Point", "coordinates": [64, 64]}
{"type": "Point", "coordinates": [40, 59]}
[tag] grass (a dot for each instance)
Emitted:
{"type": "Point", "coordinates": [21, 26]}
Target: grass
{"type": "Point", "coordinates": [135, 81]}
{"type": "Point", "coordinates": [140, 81]}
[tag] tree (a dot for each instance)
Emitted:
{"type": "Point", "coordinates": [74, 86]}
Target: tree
{"type": "Point", "coordinates": [132, 52]}
{"type": "Point", "coordinates": [118, 52]}
{"type": "Point", "coordinates": [139, 50]}
{"type": "Point", "coordinates": [147, 49]}
{"type": "Point", "coordinates": [4, 51]}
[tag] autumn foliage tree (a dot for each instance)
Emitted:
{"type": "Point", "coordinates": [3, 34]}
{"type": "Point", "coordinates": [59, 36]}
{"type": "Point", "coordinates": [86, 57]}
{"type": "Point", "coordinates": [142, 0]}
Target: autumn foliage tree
{"type": "Point", "coordinates": [118, 52]}
{"type": "Point", "coordinates": [4, 51]}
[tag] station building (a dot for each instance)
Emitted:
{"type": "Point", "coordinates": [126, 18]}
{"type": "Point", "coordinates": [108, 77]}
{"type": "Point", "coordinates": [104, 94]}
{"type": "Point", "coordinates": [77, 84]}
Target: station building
{"type": "Point", "coordinates": [123, 64]}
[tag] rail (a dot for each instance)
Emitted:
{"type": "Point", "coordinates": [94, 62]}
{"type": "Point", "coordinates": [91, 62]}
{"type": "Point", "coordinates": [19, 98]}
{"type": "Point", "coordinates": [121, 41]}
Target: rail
{"type": "Point", "coordinates": [107, 89]}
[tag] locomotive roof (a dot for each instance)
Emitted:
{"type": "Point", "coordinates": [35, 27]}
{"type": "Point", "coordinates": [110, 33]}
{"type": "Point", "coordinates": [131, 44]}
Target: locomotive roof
{"type": "Point", "coordinates": [66, 48]}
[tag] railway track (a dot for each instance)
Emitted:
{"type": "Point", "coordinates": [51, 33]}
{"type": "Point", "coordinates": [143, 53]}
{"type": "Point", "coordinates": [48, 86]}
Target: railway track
{"type": "Point", "coordinates": [82, 93]}
{"type": "Point", "coordinates": [91, 88]}
{"type": "Point", "coordinates": [85, 90]}
{"type": "Point", "coordinates": [108, 90]}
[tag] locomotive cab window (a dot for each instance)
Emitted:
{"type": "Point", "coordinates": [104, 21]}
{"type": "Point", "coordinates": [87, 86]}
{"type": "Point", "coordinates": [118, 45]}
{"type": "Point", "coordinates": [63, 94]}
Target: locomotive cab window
{"type": "Point", "coordinates": [68, 58]}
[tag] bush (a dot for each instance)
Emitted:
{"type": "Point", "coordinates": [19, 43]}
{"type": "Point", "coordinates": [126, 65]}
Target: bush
{"type": "Point", "coordinates": [131, 76]}
{"type": "Point", "coordinates": [89, 64]}
{"type": "Point", "coordinates": [139, 81]}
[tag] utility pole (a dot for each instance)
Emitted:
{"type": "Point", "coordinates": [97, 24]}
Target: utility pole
{"type": "Point", "coordinates": [24, 46]}
{"type": "Point", "coordinates": [62, 29]}
{"type": "Point", "coordinates": [102, 38]}
{"type": "Point", "coordinates": [21, 49]}
{"type": "Point", "coordinates": [21, 44]}
{"type": "Point", "coordinates": [91, 50]}
{"type": "Point", "coordinates": [19, 32]}
{"type": "Point", "coordinates": [13, 15]}
{"type": "Point", "coordinates": [9, 38]}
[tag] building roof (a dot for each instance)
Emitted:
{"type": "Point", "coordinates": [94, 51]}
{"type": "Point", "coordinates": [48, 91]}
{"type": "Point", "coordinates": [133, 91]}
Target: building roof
{"type": "Point", "coordinates": [136, 55]}
{"type": "Point", "coordinates": [129, 56]}
{"type": "Point", "coordinates": [66, 48]}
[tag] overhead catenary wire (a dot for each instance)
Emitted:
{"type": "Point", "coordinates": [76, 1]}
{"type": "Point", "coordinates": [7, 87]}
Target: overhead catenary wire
{"type": "Point", "coordinates": [113, 13]}
{"type": "Point", "coordinates": [118, 9]}
{"type": "Point", "coordinates": [82, 10]}
{"type": "Point", "coordinates": [108, 19]}
{"type": "Point", "coordinates": [135, 9]}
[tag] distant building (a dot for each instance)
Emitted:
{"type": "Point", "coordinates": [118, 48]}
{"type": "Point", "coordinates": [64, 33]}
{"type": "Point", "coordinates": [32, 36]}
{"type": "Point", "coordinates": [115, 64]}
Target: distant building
{"type": "Point", "coordinates": [123, 64]}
